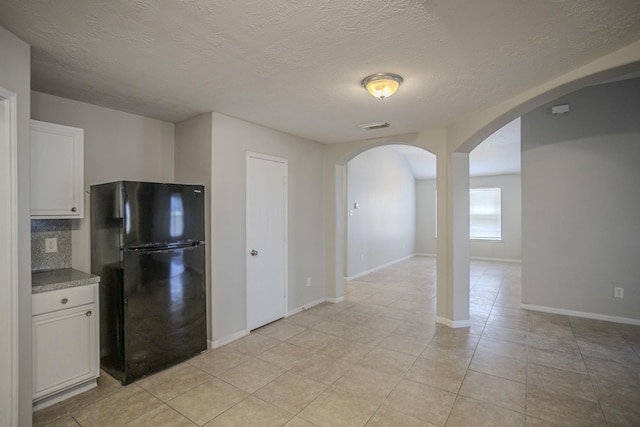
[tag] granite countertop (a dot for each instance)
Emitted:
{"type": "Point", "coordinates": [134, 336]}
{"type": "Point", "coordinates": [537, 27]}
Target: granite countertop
{"type": "Point", "coordinates": [43, 281]}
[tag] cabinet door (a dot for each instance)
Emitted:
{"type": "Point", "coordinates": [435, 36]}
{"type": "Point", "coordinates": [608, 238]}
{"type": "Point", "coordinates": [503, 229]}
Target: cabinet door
{"type": "Point", "coordinates": [57, 172]}
{"type": "Point", "coordinates": [64, 349]}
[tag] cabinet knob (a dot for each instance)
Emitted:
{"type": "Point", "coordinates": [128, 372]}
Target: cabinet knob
{"type": "Point", "coordinates": [89, 313]}
{"type": "Point", "coordinates": [73, 209]}
{"type": "Point", "coordinates": [64, 300]}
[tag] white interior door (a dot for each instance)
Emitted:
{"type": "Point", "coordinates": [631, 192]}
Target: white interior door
{"type": "Point", "coordinates": [266, 239]}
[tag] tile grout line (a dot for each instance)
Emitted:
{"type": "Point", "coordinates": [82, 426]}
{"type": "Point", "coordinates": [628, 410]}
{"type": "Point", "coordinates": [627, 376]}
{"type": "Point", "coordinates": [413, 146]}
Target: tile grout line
{"type": "Point", "coordinates": [543, 337]}
{"type": "Point", "coordinates": [593, 388]}
{"type": "Point", "coordinates": [474, 351]}
{"type": "Point", "coordinates": [382, 401]}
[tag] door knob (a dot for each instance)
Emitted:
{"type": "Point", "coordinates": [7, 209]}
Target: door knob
{"type": "Point", "coordinates": [254, 252]}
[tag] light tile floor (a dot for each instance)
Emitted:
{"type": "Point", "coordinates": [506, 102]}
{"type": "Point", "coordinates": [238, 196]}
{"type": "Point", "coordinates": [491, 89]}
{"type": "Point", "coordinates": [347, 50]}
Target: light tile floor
{"type": "Point", "coordinates": [379, 359]}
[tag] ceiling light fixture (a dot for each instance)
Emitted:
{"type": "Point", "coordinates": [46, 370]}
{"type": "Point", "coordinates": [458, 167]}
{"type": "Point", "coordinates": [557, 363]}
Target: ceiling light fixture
{"type": "Point", "coordinates": [382, 85]}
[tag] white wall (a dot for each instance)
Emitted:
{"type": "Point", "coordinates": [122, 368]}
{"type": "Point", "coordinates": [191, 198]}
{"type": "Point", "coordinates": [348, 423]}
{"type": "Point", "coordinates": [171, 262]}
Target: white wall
{"type": "Point", "coordinates": [510, 247]}
{"type": "Point", "coordinates": [581, 198]}
{"type": "Point", "coordinates": [383, 228]}
{"type": "Point", "coordinates": [232, 138]}
{"type": "Point", "coordinates": [15, 76]}
{"type": "Point", "coordinates": [426, 216]}
{"type": "Point", "coordinates": [117, 146]}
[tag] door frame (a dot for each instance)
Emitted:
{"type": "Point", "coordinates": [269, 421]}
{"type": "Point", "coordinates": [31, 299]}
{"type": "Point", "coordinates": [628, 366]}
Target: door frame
{"type": "Point", "coordinates": [284, 161]}
{"type": "Point", "coordinates": [9, 264]}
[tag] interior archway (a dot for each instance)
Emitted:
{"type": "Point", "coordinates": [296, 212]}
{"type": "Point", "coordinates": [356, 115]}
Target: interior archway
{"type": "Point", "coordinates": [335, 177]}
{"type": "Point", "coordinates": [382, 223]}
{"type": "Point", "coordinates": [467, 135]}
{"type": "Point", "coordinates": [544, 98]}
{"type": "Point", "coordinates": [446, 144]}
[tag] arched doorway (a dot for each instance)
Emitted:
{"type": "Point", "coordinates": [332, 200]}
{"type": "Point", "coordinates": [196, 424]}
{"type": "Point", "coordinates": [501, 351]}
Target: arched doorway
{"type": "Point", "coordinates": [385, 187]}
{"type": "Point", "coordinates": [452, 146]}
{"type": "Point", "coordinates": [335, 182]}
{"type": "Point", "coordinates": [576, 133]}
{"type": "Point", "coordinates": [389, 238]}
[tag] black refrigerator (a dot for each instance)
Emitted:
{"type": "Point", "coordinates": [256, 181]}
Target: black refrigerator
{"type": "Point", "coordinates": [147, 246]}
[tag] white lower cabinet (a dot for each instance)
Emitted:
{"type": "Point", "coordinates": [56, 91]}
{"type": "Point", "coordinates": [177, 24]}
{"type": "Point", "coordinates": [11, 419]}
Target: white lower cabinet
{"type": "Point", "coordinates": [65, 343]}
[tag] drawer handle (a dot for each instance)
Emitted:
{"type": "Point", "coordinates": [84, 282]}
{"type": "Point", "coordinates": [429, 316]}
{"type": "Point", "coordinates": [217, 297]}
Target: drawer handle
{"type": "Point", "coordinates": [64, 300]}
{"type": "Point", "coordinates": [88, 313]}
{"type": "Point", "coordinates": [73, 209]}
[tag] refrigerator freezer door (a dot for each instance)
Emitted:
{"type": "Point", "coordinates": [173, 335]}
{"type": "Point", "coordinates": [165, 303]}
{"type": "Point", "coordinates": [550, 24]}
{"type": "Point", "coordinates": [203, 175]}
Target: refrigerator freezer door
{"type": "Point", "coordinates": [155, 214]}
{"type": "Point", "coordinates": [164, 309]}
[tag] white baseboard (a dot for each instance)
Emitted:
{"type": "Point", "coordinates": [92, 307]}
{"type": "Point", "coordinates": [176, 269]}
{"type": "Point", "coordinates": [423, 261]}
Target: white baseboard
{"type": "Point", "coordinates": [453, 323]}
{"type": "Point", "coordinates": [240, 334]}
{"type": "Point", "coordinates": [574, 313]}
{"type": "Point", "coordinates": [513, 261]}
{"type": "Point", "coordinates": [305, 307]}
{"type": "Point", "coordinates": [380, 267]}
{"type": "Point", "coordinates": [229, 338]}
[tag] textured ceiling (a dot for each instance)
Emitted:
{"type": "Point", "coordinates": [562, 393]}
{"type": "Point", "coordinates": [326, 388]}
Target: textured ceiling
{"type": "Point", "coordinates": [296, 65]}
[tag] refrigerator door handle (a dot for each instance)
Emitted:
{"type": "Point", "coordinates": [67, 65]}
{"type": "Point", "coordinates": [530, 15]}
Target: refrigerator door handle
{"type": "Point", "coordinates": [164, 248]}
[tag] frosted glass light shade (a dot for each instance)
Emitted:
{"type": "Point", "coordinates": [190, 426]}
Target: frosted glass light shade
{"type": "Point", "coordinates": [382, 85]}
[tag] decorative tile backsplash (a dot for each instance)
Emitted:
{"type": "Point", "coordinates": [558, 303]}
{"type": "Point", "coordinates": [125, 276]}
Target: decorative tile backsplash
{"type": "Point", "coordinates": [42, 229]}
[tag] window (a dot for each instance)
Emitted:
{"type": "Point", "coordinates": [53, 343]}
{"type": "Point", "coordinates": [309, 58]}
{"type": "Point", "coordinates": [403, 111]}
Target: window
{"type": "Point", "coordinates": [485, 214]}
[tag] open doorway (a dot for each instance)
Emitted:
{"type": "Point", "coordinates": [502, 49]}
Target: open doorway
{"type": "Point", "coordinates": [495, 226]}
{"type": "Point", "coordinates": [495, 196]}
{"type": "Point", "coordinates": [389, 243]}
{"type": "Point", "coordinates": [385, 208]}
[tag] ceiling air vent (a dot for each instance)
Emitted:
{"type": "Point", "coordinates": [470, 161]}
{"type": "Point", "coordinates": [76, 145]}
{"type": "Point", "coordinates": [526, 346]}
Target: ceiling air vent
{"type": "Point", "coordinates": [374, 126]}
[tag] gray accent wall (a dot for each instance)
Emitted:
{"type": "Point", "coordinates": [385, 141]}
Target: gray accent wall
{"type": "Point", "coordinates": [382, 229]}
{"type": "Point", "coordinates": [581, 202]}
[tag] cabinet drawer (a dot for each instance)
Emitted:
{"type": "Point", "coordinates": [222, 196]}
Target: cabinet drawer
{"type": "Point", "coordinates": [46, 302]}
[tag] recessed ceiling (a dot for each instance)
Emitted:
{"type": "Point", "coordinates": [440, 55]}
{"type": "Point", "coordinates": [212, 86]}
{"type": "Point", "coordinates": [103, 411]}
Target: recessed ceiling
{"type": "Point", "coordinates": [296, 66]}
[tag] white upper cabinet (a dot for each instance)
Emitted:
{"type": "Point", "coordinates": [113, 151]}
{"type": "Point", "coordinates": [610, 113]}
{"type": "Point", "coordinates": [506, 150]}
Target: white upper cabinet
{"type": "Point", "coordinates": [57, 171]}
